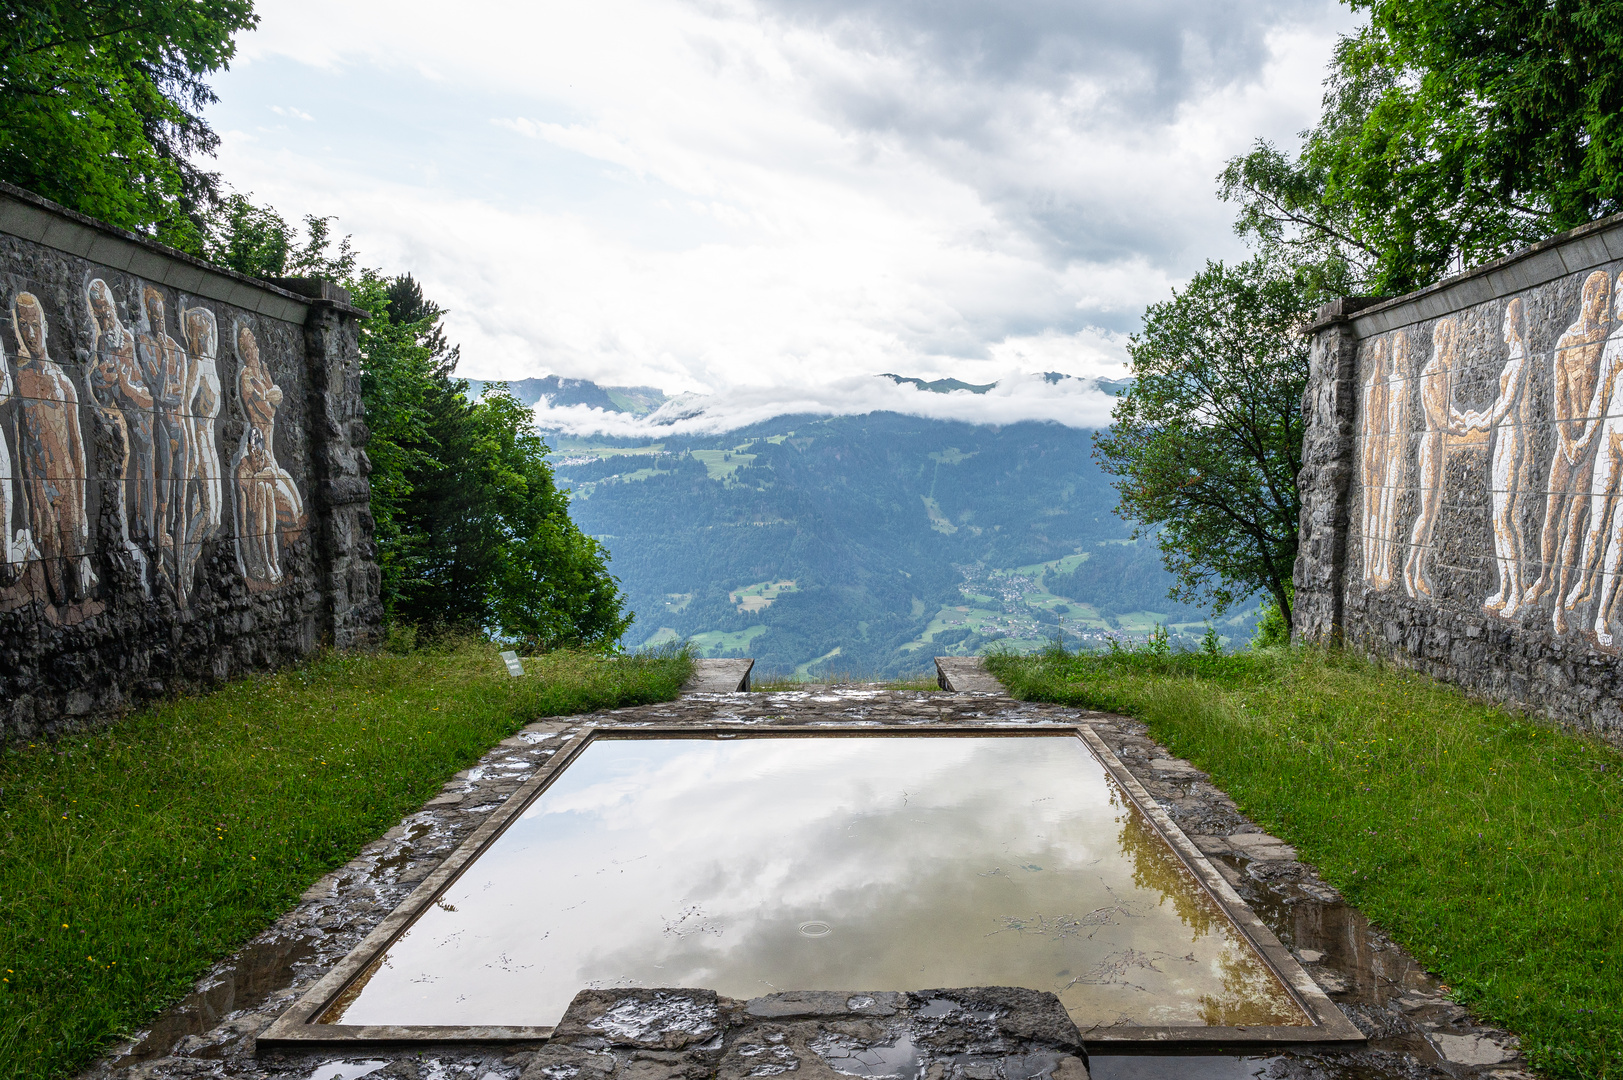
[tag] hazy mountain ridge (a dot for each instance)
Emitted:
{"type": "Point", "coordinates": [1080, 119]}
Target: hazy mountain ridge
{"type": "Point", "coordinates": [582, 407]}
{"type": "Point", "coordinates": [556, 391]}
{"type": "Point", "coordinates": [865, 543]}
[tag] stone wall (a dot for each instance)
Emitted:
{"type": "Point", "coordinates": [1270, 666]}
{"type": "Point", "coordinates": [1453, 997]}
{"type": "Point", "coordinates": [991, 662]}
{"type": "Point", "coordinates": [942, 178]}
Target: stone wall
{"type": "Point", "coordinates": [1462, 511]}
{"type": "Point", "coordinates": [183, 489]}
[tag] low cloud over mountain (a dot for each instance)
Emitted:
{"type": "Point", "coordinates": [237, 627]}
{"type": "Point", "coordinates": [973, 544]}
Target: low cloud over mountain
{"type": "Point", "coordinates": [1061, 399]}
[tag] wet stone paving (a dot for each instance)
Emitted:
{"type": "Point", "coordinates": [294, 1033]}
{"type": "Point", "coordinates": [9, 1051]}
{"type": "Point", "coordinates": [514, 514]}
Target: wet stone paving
{"type": "Point", "coordinates": [1414, 1029]}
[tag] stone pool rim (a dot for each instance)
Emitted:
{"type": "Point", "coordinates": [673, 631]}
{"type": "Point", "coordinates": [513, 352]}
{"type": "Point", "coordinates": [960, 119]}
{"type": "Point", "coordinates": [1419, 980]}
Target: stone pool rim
{"type": "Point", "coordinates": [300, 1027]}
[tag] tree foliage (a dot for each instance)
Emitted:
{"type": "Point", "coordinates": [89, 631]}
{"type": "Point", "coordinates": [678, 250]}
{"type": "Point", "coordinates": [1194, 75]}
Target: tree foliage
{"type": "Point", "coordinates": [472, 531]}
{"type": "Point", "coordinates": [101, 106]}
{"type": "Point", "coordinates": [1451, 134]}
{"type": "Point", "coordinates": [1206, 443]}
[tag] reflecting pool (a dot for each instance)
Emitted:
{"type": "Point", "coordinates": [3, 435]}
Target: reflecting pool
{"type": "Point", "coordinates": [760, 863]}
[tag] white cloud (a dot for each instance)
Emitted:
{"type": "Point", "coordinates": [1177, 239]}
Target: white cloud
{"type": "Point", "coordinates": [728, 196]}
{"type": "Point", "coordinates": [291, 113]}
{"type": "Point", "coordinates": [1077, 403]}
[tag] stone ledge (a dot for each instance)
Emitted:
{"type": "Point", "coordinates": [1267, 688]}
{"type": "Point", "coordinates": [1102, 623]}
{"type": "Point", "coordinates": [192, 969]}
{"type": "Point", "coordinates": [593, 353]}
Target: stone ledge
{"type": "Point", "coordinates": [965, 675]}
{"type": "Point", "coordinates": [684, 1034]}
{"type": "Point", "coordinates": [719, 677]}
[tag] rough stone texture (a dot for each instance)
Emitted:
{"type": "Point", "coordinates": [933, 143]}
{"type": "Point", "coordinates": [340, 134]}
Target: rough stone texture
{"type": "Point", "coordinates": [987, 1033]}
{"type": "Point", "coordinates": [347, 555]}
{"type": "Point", "coordinates": [128, 565]}
{"type": "Point", "coordinates": [1416, 1030]}
{"type": "Point", "coordinates": [1462, 469]}
{"type": "Point", "coordinates": [1326, 472]}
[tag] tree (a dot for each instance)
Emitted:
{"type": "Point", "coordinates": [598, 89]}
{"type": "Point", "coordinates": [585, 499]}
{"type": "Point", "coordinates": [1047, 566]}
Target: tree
{"type": "Point", "coordinates": [1451, 134]}
{"type": "Point", "coordinates": [101, 106]}
{"type": "Point", "coordinates": [1207, 441]}
{"type": "Point", "coordinates": [472, 531]}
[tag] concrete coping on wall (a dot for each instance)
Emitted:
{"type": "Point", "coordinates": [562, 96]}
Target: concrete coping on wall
{"type": "Point", "coordinates": [1571, 252]}
{"type": "Point", "coordinates": [965, 675]}
{"type": "Point", "coordinates": [30, 217]}
{"type": "Point", "coordinates": [719, 676]}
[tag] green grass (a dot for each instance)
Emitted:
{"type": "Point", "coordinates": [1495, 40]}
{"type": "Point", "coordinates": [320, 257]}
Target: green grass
{"type": "Point", "coordinates": [133, 858]}
{"type": "Point", "coordinates": [718, 642]}
{"type": "Point", "coordinates": [1489, 845]}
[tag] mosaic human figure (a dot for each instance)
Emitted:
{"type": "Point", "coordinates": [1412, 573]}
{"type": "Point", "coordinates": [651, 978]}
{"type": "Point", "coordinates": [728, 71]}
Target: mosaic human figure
{"type": "Point", "coordinates": [1509, 420]}
{"type": "Point", "coordinates": [1397, 444]}
{"type": "Point", "coordinates": [1575, 368]}
{"type": "Point", "coordinates": [163, 366]}
{"type": "Point", "coordinates": [124, 404]}
{"type": "Point", "coordinates": [201, 507]}
{"type": "Point", "coordinates": [1442, 419]}
{"type": "Point", "coordinates": [51, 457]}
{"type": "Point", "coordinates": [1384, 398]}
{"type": "Point", "coordinates": [1603, 427]}
{"type": "Point", "coordinates": [1374, 408]}
{"type": "Point", "coordinates": [269, 510]}
{"type": "Point", "coordinates": [16, 544]}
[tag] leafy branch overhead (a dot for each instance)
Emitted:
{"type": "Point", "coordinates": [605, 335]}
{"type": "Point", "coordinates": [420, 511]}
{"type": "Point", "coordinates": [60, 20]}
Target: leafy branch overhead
{"type": "Point", "coordinates": [1451, 134]}
{"type": "Point", "coordinates": [101, 107]}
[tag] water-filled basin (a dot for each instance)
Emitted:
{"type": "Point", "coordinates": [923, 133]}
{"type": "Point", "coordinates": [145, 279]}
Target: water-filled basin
{"type": "Point", "coordinates": [759, 863]}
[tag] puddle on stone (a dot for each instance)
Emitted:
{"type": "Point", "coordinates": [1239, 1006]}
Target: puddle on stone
{"type": "Point", "coordinates": [931, 860]}
{"type": "Point", "coordinates": [348, 1070]}
{"type": "Point", "coordinates": [1156, 1067]}
{"type": "Point", "coordinates": [260, 968]}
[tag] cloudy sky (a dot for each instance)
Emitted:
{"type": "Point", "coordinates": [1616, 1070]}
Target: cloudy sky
{"type": "Point", "coordinates": [768, 196]}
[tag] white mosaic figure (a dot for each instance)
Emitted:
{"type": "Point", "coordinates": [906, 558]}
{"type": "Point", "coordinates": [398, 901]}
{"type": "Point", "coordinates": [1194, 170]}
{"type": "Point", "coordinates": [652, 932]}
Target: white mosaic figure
{"type": "Point", "coordinates": [116, 391]}
{"type": "Point", "coordinates": [1397, 444]}
{"type": "Point", "coordinates": [16, 545]}
{"type": "Point", "coordinates": [1374, 409]}
{"type": "Point", "coordinates": [1605, 429]}
{"type": "Point", "coordinates": [1442, 420]}
{"type": "Point", "coordinates": [1386, 395]}
{"type": "Point", "coordinates": [1508, 419]}
{"type": "Point", "coordinates": [269, 510]}
{"type": "Point", "coordinates": [164, 366]}
{"type": "Point", "coordinates": [51, 452]}
{"type": "Point", "coordinates": [200, 509]}
{"type": "Point", "coordinates": [1574, 372]}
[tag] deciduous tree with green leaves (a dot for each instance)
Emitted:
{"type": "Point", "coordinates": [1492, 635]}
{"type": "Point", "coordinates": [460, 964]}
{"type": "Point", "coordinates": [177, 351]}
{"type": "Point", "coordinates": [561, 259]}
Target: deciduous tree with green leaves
{"type": "Point", "coordinates": [101, 106]}
{"type": "Point", "coordinates": [472, 531]}
{"type": "Point", "coordinates": [1451, 134]}
{"type": "Point", "coordinates": [1207, 442]}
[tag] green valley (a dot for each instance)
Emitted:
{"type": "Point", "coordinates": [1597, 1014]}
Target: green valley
{"type": "Point", "coordinates": [869, 544]}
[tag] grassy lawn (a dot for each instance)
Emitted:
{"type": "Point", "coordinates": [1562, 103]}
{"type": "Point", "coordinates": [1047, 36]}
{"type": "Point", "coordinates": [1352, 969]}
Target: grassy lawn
{"type": "Point", "coordinates": [133, 858]}
{"type": "Point", "coordinates": [1488, 845]}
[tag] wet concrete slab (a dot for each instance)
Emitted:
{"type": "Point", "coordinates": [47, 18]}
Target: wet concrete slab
{"type": "Point", "coordinates": [965, 675]}
{"type": "Point", "coordinates": [719, 676]}
{"type": "Point", "coordinates": [1414, 1028]}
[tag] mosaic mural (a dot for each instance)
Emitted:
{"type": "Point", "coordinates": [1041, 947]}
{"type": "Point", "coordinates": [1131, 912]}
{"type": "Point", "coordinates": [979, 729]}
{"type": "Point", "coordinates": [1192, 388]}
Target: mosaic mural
{"type": "Point", "coordinates": [144, 385]}
{"type": "Point", "coordinates": [1489, 454]}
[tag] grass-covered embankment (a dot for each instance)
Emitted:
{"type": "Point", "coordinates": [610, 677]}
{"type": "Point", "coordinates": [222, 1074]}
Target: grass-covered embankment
{"type": "Point", "coordinates": [132, 858]}
{"type": "Point", "coordinates": [1490, 846]}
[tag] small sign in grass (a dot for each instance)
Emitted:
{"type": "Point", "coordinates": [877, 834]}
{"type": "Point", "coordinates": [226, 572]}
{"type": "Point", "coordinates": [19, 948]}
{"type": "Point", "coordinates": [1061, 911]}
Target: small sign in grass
{"type": "Point", "coordinates": [132, 859]}
{"type": "Point", "coordinates": [1489, 845]}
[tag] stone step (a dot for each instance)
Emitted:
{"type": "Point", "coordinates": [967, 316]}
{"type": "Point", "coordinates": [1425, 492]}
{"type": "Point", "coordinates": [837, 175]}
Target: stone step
{"type": "Point", "coordinates": [965, 675]}
{"type": "Point", "coordinates": [719, 676]}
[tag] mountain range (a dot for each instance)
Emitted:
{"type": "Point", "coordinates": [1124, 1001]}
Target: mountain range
{"type": "Point", "coordinates": [556, 390]}
{"type": "Point", "coordinates": [863, 544]}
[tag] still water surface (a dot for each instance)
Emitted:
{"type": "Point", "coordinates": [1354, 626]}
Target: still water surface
{"type": "Point", "coordinates": [756, 864]}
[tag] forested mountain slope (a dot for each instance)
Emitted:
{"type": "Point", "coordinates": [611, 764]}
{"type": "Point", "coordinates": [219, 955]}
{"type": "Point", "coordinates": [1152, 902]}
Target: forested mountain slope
{"type": "Point", "coordinates": [866, 544]}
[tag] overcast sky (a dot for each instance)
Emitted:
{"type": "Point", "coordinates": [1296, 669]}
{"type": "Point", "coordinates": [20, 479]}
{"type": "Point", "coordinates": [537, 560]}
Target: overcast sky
{"type": "Point", "coordinates": [750, 194]}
